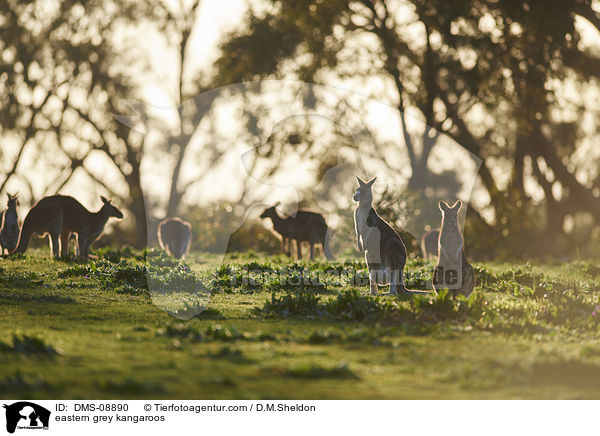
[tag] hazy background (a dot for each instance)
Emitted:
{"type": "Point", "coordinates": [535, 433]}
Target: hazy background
{"type": "Point", "coordinates": [492, 103]}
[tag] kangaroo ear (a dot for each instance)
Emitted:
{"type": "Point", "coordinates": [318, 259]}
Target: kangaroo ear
{"type": "Point", "coordinates": [104, 200]}
{"type": "Point", "coordinates": [457, 206]}
{"type": "Point", "coordinates": [444, 206]}
{"type": "Point", "coordinates": [277, 204]}
{"type": "Point", "coordinates": [361, 182]}
{"type": "Point", "coordinates": [370, 182]}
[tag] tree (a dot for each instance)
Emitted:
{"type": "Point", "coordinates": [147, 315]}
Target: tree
{"type": "Point", "coordinates": [62, 77]}
{"type": "Point", "coordinates": [485, 73]}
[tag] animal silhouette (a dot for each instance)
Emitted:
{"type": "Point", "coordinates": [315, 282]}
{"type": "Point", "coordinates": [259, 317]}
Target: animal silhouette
{"type": "Point", "coordinates": [9, 226]}
{"type": "Point", "coordinates": [452, 271]}
{"type": "Point", "coordinates": [30, 413]}
{"type": "Point", "coordinates": [174, 236]}
{"type": "Point", "coordinates": [61, 215]}
{"type": "Point", "coordinates": [429, 243]}
{"type": "Point", "coordinates": [305, 226]}
{"type": "Point", "coordinates": [385, 253]}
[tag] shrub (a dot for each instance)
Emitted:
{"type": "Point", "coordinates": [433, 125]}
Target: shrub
{"type": "Point", "coordinates": [354, 306]}
{"type": "Point", "coordinates": [293, 304]}
{"type": "Point", "coordinates": [21, 279]}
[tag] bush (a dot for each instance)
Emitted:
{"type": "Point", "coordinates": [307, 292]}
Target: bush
{"type": "Point", "coordinates": [354, 306]}
{"type": "Point", "coordinates": [21, 279]}
{"type": "Point", "coordinates": [293, 304]}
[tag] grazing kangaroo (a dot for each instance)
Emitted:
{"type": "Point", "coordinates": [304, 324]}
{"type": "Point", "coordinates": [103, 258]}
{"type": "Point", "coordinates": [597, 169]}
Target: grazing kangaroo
{"type": "Point", "coordinates": [174, 236]}
{"type": "Point", "coordinates": [429, 243]}
{"type": "Point", "coordinates": [452, 271]}
{"type": "Point", "coordinates": [385, 252]}
{"type": "Point", "coordinates": [9, 226]}
{"type": "Point", "coordinates": [306, 226]}
{"type": "Point", "coordinates": [61, 215]}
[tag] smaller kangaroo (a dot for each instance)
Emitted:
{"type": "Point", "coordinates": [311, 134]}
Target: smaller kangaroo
{"type": "Point", "coordinates": [385, 252]}
{"type": "Point", "coordinates": [9, 226]}
{"type": "Point", "coordinates": [61, 215]}
{"type": "Point", "coordinates": [452, 271]}
{"type": "Point", "coordinates": [429, 244]}
{"type": "Point", "coordinates": [174, 236]}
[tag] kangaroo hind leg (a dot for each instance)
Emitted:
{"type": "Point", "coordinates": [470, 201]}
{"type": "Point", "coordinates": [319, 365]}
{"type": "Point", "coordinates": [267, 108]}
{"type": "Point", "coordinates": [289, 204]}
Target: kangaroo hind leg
{"type": "Point", "coordinates": [55, 240]}
{"type": "Point", "coordinates": [65, 238]}
{"type": "Point", "coordinates": [394, 281]}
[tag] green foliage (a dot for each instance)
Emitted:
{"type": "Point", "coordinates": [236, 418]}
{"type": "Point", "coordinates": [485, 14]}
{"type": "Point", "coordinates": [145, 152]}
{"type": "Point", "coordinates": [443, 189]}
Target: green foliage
{"type": "Point", "coordinates": [353, 305]}
{"type": "Point", "coordinates": [115, 254]}
{"type": "Point", "coordinates": [25, 279]}
{"type": "Point", "coordinates": [127, 277]}
{"type": "Point", "coordinates": [161, 274]}
{"type": "Point", "coordinates": [493, 344]}
{"type": "Point", "coordinates": [293, 304]}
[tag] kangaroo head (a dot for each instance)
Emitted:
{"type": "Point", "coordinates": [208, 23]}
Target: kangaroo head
{"type": "Point", "coordinates": [364, 192]}
{"type": "Point", "coordinates": [450, 213]}
{"type": "Point", "coordinates": [109, 209]}
{"type": "Point", "coordinates": [270, 212]}
{"type": "Point", "coordinates": [12, 201]}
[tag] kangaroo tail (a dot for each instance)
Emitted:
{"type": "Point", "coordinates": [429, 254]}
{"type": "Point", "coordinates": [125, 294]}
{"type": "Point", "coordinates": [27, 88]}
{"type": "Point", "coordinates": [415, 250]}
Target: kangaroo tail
{"type": "Point", "coordinates": [327, 250]}
{"type": "Point", "coordinates": [424, 247]}
{"type": "Point", "coordinates": [25, 236]}
{"type": "Point", "coordinates": [324, 237]}
{"type": "Point", "coordinates": [402, 290]}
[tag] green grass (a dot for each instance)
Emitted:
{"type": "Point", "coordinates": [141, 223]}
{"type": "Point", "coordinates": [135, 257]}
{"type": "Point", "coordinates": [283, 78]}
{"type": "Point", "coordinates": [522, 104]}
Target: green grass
{"type": "Point", "coordinates": [274, 328]}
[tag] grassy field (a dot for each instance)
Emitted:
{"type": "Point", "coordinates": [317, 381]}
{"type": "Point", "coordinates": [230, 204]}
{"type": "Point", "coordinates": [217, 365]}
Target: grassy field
{"type": "Point", "coordinates": [71, 331]}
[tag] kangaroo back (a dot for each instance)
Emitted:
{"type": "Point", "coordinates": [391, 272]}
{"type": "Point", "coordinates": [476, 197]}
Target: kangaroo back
{"type": "Point", "coordinates": [174, 236]}
{"type": "Point", "coordinates": [311, 227]}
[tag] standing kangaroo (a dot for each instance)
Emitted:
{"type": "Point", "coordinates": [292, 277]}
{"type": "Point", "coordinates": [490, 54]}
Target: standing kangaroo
{"type": "Point", "coordinates": [306, 226]}
{"type": "Point", "coordinates": [174, 236]}
{"type": "Point", "coordinates": [429, 244]}
{"type": "Point", "coordinates": [385, 253]}
{"type": "Point", "coordinates": [9, 226]}
{"type": "Point", "coordinates": [282, 226]}
{"type": "Point", "coordinates": [452, 271]}
{"type": "Point", "coordinates": [60, 216]}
